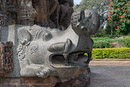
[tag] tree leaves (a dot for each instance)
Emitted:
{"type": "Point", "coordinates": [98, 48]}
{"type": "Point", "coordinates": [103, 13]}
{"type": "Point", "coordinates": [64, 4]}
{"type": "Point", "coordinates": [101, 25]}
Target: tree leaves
{"type": "Point", "coordinates": [120, 15]}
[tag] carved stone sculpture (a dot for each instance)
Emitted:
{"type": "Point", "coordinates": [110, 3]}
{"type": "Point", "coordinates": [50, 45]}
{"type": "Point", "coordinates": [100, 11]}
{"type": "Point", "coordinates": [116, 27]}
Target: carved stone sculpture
{"type": "Point", "coordinates": [87, 20]}
{"type": "Point", "coordinates": [3, 19]}
{"type": "Point", "coordinates": [49, 41]}
{"type": "Point", "coordinates": [3, 5]}
{"type": "Point", "coordinates": [12, 8]}
{"type": "Point", "coordinates": [43, 51]}
{"type": "Point", "coordinates": [6, 58]}
{"type": "Point", "coordinates": [62, 15]}
{"type": "Point", "coordinates": [26, 13]}
{"type": "Point", "coordinates": [47, 13]}
{"type": "Point", "coordinates": [42, 9]}
{"type": "Point", "coordinates": [3, 12]}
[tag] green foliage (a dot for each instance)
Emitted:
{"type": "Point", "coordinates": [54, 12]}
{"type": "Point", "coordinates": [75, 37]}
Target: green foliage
{"type": "Point", "coordinates": [105, 42]}
{"type": "Point", "coordinates": [88, 4]}
{"type": "Point", "coordinates": [120, 15]}
{"type": "Point", "coordinates": [101, 33]}
{"type": "Point", "coordinates": [119, 53]}
{"type": "Point", "coordinates": [100, 38]}
{"type": "Point", "coordinates": [97, 53]}
{"type": "Point", "coordinates": [126, 41]}
{"type": "Point", "coordinates": [101, 44]}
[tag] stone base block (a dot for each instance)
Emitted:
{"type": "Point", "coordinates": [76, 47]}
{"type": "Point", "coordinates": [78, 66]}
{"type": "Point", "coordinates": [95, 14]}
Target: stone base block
{"type": "Point", "coordinates": [82, 80]}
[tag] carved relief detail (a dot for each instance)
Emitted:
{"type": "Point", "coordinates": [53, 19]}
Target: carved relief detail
{"type": "Point", "coordinates": [43, 50]}
{"type": "Point", "coordinates": [46, 13]}
{"type": "Point", "coordinates": [6, 58]}
{"type": "Point", "coordinates": [31, 63]}
{"type": "Point", "coordinates": [26, 13]}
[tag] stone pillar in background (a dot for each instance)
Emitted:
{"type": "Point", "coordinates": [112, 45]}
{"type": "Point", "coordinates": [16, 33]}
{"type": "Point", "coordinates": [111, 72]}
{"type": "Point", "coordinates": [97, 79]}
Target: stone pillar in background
{"type": "Point", "coordinates": [3, 12]}
{"type": "Point", "coordinates": [12, 10]}
{"type": "Point", "coordinates": [42, 9]}
{"type": "Point", "coordinates": [62, 15]}
{"type": "Point", "coordinates": [26, 12]}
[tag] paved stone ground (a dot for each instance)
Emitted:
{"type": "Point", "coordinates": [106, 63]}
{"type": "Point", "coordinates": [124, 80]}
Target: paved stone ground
{"type": "Point", "coordinates": [110, 73]}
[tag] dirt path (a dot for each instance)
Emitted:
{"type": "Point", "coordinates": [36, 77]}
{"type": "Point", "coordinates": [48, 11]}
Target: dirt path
{"type": "Point", "coordinates": [110, 74]}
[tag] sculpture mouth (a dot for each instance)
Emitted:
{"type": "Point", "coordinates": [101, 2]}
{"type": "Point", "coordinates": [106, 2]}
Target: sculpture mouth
{"type": "Point", "coordinates": [74, 59]}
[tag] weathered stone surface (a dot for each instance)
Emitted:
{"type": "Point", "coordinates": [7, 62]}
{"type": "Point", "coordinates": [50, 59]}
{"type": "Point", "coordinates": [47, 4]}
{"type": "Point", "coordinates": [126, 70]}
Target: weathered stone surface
{"type": "Point", "coordinates": [6, 58]}
{"type": "Point", "coordinates": [11, 82]}
{"type": "Point", "coordinates": [0, 35]}
{"type": "Point", "coordinates": [47, 13]}
{"type": "Point", "coordinates": [42, 9]}
{"type": "Point", "coordinates": [12, 9]}
{"type": "Point", "coordinates": [40, 82]}
{"type": "Point", "coordinates": [27, 82]}
{"type": "Point", "coordinates": [26, 13]}
{"type": "Point", "coordinates": [43, 52]}
{"type": "Point", "coordinates": [87, 20]}
{"type": "Point", "coordinates": [82, 80]}
{"type": "Point", "coordinates": [3, 19]}
{"type": "Point", "coordinates": [62, 15]}
{"type": "Point", "coordinates": [53, 50]}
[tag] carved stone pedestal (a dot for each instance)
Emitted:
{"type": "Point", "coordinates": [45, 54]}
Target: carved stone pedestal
{"type": "Point", "coordinates": [27, 82]}
{"type": "Point", "coordinates": [82, 80]}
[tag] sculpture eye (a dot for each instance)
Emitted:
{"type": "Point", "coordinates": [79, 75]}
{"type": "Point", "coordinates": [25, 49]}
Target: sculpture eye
{"type": "Point", "coordinates": [47, 36]}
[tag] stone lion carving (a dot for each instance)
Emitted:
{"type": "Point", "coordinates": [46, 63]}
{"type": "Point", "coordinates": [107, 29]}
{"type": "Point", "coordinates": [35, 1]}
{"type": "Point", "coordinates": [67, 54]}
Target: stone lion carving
{"type": "Point", "coordinates": [44, 52]}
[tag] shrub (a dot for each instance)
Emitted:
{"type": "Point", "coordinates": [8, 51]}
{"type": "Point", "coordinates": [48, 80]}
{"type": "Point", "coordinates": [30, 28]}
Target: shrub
{"type": "Point", "coordinates": [105, 42]}
{"type": "Point", "coordinates": [111, 53]}
{"type": "Point", "coordinates": [97, 53]}
{"type": "Point", "coordinates": [126, 41]}
{"type": "Point", "coordinates": [101, 44]}
{"type": "Point", "coordinates": [120, 16]}
{"type": "Point", "coordinates": [101, 33]}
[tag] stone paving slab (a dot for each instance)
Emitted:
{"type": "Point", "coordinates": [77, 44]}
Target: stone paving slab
{"type": "Point", "coordinates": [110, 73]}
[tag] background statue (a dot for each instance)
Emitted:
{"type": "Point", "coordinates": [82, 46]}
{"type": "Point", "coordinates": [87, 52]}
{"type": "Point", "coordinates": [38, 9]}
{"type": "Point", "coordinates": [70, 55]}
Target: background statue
{"type": "Point", "coordinates": [61, 17]}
